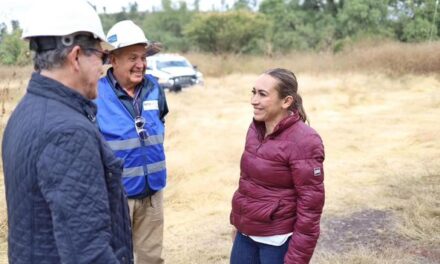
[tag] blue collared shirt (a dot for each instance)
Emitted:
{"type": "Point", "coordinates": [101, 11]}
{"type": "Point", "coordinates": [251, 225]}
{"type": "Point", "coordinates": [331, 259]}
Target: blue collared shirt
{"type": "Point", "coordinates": [145, 87]}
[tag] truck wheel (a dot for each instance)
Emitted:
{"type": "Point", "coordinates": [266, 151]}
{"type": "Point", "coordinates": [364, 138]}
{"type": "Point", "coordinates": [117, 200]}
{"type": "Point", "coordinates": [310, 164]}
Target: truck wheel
{"type": "Point", "coordinates": [176, 88]}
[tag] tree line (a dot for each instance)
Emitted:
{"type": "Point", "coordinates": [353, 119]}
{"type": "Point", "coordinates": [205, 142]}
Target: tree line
{"type": "Point", "coordinates": [270, 27]}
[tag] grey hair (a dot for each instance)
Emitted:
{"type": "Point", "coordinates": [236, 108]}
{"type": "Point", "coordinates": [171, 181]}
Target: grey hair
{"type": "Point", "coordinates": [55, 58]}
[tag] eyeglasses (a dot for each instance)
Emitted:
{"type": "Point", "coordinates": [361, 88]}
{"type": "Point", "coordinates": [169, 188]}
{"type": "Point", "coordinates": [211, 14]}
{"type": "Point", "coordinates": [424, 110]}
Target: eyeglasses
{"type": "Point", "coordinates": [139, 123]}
{"type": "Point", "coordinates": [102, 54]}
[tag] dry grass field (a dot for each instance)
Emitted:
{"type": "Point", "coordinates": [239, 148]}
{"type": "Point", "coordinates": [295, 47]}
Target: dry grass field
{"type": "Point", "coordinates": [382, 154]}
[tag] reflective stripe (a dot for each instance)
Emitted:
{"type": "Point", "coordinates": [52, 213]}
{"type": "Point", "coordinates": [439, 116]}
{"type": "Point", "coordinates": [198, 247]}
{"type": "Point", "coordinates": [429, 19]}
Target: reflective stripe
{"type": "Point", "coordinates": [133, 172]}
{"type": "Point", "coordinates": [154, 140]}
{"type": "Point", "coordinates": [124, 144]}
{"type": "Point", "coordinates": [155, 167]}
{"type": "Point", "coordinates": [138, 171]}
{"type": "Point", "coordinates": [134, 142]}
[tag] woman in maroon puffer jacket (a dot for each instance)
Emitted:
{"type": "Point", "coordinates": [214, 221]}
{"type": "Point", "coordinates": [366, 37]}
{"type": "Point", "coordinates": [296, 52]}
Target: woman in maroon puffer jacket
{"type": "Point", "coordinates": [277, 207]}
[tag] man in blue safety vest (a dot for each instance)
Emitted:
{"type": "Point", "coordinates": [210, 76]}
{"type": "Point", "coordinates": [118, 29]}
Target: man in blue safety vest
{"type": "Point", "coordinates": [131, 111]}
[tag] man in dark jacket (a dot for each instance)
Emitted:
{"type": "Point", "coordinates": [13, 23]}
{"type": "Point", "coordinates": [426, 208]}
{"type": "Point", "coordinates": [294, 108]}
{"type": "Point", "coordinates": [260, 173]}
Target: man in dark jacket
{"type": "Point", "coordinates": [65, 200]}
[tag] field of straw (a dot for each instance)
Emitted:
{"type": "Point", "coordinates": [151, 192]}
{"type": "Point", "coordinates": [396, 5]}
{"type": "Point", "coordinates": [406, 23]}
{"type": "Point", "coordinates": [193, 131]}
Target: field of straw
{"type": "Point", "coordinates": [376, 110]}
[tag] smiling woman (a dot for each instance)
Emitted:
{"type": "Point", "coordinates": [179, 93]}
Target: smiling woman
{"type": "Point", "coordinates": [268, 105]}
{"type": "Point", "coordinates": [277, 207]}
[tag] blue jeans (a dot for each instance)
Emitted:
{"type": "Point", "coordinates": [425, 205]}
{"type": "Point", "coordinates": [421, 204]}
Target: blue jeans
{"type": "Point", "coordinates": [247, 251]}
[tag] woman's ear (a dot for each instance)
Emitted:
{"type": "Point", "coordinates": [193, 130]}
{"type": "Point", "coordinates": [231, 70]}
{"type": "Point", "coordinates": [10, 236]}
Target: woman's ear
{"type": "Point", "coordinates": [287, 102]}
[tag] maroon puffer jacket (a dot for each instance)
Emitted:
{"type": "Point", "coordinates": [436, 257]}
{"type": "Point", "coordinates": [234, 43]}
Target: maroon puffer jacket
{"type": "Point", "coordinates": [281, 186]}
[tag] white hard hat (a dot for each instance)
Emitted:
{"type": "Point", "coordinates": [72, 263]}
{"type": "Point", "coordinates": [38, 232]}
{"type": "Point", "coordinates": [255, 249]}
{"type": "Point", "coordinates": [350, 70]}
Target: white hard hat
{"type": "Point", "coordinates": [126, 33]}
{"type": "Point", "coordinates": [62, 18]}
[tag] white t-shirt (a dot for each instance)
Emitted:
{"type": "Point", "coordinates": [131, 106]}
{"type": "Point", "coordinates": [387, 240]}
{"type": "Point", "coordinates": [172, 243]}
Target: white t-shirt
{"type": "Point", "coordinates": [276, 240]}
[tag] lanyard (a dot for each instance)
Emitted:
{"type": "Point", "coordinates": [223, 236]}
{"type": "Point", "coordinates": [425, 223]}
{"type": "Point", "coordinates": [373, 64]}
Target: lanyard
{"type": "Point", "coordinates": [136, 102]}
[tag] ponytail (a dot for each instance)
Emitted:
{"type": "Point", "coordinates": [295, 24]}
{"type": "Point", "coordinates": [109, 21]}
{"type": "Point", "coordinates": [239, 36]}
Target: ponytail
{"type": "Point", "coordinates": [298, 106]}
{"type": "Point", "coordinates": [288, 86]}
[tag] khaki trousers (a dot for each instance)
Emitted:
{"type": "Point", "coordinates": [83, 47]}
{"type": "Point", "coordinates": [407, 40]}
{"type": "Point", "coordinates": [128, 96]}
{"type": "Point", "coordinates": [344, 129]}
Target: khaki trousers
{"type": "Point", "coordinates": [147, 228]}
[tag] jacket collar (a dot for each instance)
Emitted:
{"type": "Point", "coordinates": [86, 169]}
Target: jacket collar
{"type": "Point", "coordinates": [52, 89]}
{"type": "Point", "coordinates": [285, 123]}
{"type": "Point", "coordinates": [114, 82]}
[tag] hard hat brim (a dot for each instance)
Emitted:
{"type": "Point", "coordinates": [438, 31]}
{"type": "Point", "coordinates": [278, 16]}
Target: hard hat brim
{"type": "Point", "coordinates": [107, 46]}
{"type": "Point", "coordinates": [128, 44]}
{"type": "Point", "coordinates": [154, 48]}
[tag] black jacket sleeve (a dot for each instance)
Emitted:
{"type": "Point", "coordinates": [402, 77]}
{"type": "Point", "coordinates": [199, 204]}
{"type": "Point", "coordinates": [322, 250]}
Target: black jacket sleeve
{"type": "Point", "coordinates": [163, 105]}
{"type": "Point", "coordinates": [71, 178]}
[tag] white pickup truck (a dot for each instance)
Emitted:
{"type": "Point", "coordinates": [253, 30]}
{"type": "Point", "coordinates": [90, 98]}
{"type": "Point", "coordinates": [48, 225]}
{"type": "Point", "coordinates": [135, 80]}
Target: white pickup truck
{"type": "Point", "coordinates": [173, 71]}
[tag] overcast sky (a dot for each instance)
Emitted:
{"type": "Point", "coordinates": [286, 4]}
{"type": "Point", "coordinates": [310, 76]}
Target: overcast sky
{"type": "Point", "coordinates": [17, 9]}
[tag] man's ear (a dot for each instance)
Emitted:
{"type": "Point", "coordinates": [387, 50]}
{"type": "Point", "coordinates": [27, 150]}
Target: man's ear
{"type": "Point", "coordinates": [112, 59]}
{"type": "Point", "coordinates": [73, 58]}
{"type": "Point", "coordinates": [287, 101]}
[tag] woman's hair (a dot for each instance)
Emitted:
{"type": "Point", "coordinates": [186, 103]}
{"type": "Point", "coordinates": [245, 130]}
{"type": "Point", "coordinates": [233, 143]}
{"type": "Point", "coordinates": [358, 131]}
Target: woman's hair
{"type": "Point", "coordinates": [287, 85]}
{"type": "Point", "coordinates": [54, 58]}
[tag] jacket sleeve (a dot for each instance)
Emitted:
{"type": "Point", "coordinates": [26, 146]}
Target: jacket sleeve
{"type": "Point", "coordinates": [163, 105]}
{"type": "Point", "coordinates": [71, 178]}
{"type": "Point", "coordinates": [308, 176]}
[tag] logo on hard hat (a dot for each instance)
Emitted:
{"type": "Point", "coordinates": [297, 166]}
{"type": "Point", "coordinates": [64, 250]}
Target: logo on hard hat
{"type": "Point", "coordinates": [112, 38]}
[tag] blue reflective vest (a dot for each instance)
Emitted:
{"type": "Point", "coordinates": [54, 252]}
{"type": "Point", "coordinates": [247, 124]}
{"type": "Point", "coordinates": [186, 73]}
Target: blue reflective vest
{"type": "Point", "coordinates": [144, 159]}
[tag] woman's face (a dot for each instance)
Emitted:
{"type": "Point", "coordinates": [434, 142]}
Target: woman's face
{"type": "Point", "coordinates": [268, 107]}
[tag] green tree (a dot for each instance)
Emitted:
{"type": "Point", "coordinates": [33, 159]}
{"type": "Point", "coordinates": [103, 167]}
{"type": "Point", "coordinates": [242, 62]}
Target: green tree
{"type": "Point", "coordinates": [108, 20]}
{"type": "Point", "coordinates": [235, 32]}
{"type": "Point", "coordinates": [284, 20]}
{"type": "Point", "coordinates": [299, 25]}
{"type": "Point", "coordinates": [122, 15]}
{"type": "Point", "coordinates": [167, 26]}
{"type": "Point", "coordinates": [14, 50]}
{"type": "Point", "coordinates": [417, 29]}
{"type": "Point", "coordinates": [3, 30]}
{"type": "Point", "coordinates": [133, 12]}
{"type": "Point", "coordinates": [166, 5]}
{"type": "Point", "coordinates": [415, 20]}
{"type": "Point", "coordinates": [242, 5]}
{"type": "Point", "coordinates": [15, 25]}
{"type": "Point", "coordinates": [358, 18]}
{"type": "Point", "coordinates": [196, 5]}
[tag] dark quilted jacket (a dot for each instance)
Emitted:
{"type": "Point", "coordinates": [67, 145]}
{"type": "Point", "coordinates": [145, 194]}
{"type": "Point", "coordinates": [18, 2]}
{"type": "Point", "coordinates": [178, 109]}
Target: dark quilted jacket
{"type": "Point", "coordinates": [281, 186]}
{"type": "Point", "coordinates": [64, 196]}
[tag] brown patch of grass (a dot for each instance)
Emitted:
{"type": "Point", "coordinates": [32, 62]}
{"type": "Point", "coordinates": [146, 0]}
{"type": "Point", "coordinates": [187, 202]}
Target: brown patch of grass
{"type": "Point", "coordinates": [367, 256]}
{"type": "Point", "coordinates": [392, 58]}
{"type": "Point", "coordinates": [373, 229]}
{"type": "Point", "coordinates": [373, 126]}
{"type": "Point", "coordinates": [381, 145]}
{"type": "Point", "coordinates": [416, 199]}
{"type": "Point", "coordinates": [9, 73]}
